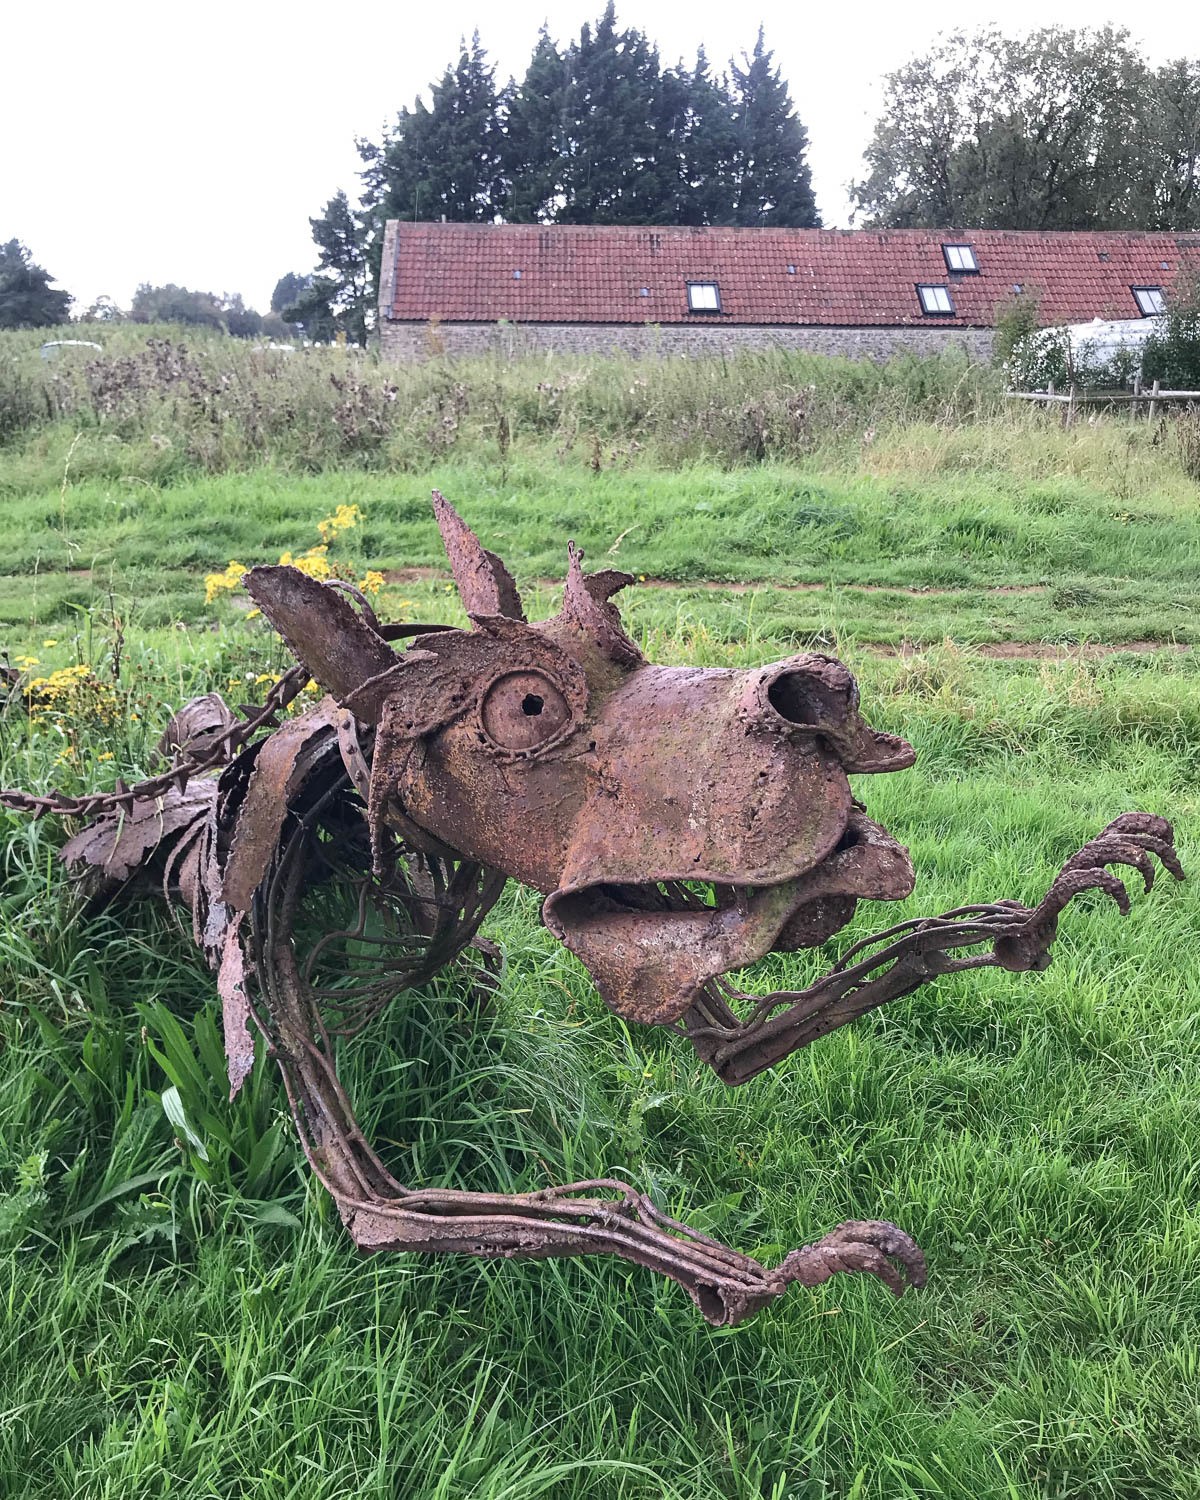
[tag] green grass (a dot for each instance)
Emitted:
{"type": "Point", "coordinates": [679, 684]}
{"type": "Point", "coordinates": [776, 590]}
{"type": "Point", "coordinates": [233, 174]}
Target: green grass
{"type": "Point", "coordinates": [1104, 543]}
{"type": "Point", "coordinates": [183, 1326]}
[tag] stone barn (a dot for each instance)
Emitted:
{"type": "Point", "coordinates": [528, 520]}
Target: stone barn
{"type": "Point", "coordinates": [471, 288]}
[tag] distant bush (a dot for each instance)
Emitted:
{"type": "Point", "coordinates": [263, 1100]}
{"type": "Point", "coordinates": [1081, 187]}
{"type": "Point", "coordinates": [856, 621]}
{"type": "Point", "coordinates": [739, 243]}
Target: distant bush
{"type": "Point", "coordinates": [1016, 321]}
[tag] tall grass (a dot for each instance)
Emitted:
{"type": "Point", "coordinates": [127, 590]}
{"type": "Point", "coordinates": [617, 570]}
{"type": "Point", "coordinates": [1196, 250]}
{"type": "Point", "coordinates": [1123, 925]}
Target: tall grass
{"type": "Point", "coordinates": [179, 402]}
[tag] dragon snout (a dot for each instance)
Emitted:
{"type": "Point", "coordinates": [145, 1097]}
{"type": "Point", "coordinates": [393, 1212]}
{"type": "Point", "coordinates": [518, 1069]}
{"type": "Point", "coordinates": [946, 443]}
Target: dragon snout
{"type": "Point", "coordinates": [816, 695]}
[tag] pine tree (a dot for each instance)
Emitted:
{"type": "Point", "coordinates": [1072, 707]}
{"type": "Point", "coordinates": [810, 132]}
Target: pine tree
{"type": "Point", "coordinates": [27, 300]}
{"type": "Point", "coordinates": [345, 297]}
{"type": "Point", "coordinates": [708, 148]}
{"type": "Point", "coordinates": [621, 165]}
{"type": "Point", "coordinates": [773, 183]}
{"type": "Point", "coordinates": [536, 146]}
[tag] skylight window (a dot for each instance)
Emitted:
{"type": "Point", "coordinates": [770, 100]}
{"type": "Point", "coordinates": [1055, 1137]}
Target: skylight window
{"type": "Point", "coordinates": [936, 300]}
{"type": "Point", "coordinates": [959, 258]}
{"type": "Point", "coordinates": [1150, 300]}
{"type": "Point", "coordinates": [704, 297]}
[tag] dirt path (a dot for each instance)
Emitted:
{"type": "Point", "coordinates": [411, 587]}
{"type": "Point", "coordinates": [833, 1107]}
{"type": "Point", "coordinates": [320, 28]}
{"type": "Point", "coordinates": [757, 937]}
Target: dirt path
{"type": "Point", "coordinates": [1037, 650]}
{"type": "Point", "coordinates": [709, 585]}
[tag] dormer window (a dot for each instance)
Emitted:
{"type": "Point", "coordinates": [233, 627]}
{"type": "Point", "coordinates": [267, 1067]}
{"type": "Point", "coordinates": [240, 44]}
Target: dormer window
{"type": "Point", "coordinates": [704, 297]}
{"type": "Point", "coordinates": [960, 258]}
{"type": "Point", "coordinates": [935, 301]}
{"type": "Point", "coordinates": [1150, 300]}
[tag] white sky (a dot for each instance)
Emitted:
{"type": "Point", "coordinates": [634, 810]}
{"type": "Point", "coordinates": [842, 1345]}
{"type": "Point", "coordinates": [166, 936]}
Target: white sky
{"type": "Point", "coordinates": [160, 142]}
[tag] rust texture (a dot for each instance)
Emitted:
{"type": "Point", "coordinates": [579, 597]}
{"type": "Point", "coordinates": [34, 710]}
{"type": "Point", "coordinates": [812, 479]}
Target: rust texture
{"type": "Point", "coordinates": [681, 823]}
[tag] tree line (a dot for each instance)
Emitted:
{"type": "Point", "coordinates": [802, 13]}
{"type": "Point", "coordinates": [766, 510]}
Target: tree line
{"type": "Point", "coordinates": [1057, 129]}
{"type": "Point", "coordinates": [28, 299]}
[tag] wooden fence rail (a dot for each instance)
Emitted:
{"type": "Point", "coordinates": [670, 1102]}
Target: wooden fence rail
{"type": "Point", "coordinates": [1073, 398]}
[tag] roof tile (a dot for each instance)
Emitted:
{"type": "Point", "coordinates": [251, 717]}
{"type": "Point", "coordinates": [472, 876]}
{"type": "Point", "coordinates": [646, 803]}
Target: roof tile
{"type": "Point", "coordinates": [593, 273]}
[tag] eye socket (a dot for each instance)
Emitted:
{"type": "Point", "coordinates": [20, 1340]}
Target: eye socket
{"type": "Point", "coordinates": [522, 710]}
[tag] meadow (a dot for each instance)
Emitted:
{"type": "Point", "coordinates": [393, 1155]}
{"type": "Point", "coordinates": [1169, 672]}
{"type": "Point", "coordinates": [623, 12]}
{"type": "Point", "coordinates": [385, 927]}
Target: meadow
{"type": "Point", "coordinates": [183, 1314]}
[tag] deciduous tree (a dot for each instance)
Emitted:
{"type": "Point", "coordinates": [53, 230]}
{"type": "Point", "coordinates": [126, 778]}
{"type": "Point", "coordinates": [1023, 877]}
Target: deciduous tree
{"type": "Point", "coordinates": [1059, 129]}
{"type": "Point", "coordinates": [176, 304]}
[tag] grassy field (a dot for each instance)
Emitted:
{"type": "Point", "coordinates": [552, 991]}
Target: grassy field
{"type": "Point", "coordinates": [193, 1322]}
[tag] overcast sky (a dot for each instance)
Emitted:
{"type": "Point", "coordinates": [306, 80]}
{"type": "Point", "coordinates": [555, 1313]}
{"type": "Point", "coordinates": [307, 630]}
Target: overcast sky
{"type": "Point", "coordinates": [155, 142]}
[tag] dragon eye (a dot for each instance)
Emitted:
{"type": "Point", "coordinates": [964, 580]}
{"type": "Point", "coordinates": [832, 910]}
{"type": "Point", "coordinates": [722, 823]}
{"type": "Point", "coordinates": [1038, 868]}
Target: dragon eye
{"type": "Point", "coordinates": [522, 710]}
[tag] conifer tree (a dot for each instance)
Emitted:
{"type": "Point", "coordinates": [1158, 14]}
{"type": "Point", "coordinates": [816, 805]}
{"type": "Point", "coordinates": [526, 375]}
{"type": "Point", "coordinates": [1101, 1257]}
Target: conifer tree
{"type": "Point", "coordinates": [708, 148]}
{"type": "Point", "coordinates": [621, 164]}
{"type": "Point", "coordinates": [27, 299]}
{"type": "Point", "coordinates": [444, 159]}
{"type": "Point", "coordinates": [536, 145]}
{"type": "Point", "coordinates": [343, 299]}
{"type": "Point", "coordinates": [773, 183]}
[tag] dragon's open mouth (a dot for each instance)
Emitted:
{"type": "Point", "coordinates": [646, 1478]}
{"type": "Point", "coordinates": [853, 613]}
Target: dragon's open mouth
{"type": "Point", "coordinates": [652, 947]}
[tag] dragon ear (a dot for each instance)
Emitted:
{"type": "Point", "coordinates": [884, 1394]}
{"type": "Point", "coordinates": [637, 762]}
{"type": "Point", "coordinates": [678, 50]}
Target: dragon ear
{"type": "Point", "coordinates": [321, 628]}
{"type": "Point", "coordinates": [587, 608]}
{"type": "Point", "coordinates": [485, 585]}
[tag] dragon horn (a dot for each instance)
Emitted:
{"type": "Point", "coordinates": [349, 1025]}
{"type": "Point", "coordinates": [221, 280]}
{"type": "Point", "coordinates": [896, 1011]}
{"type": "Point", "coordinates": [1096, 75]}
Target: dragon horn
{"type": "Point", "coordinates": [485, 585]}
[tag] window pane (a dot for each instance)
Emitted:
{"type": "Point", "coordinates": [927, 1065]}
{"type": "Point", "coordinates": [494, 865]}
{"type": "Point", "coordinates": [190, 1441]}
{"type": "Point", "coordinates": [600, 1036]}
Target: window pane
{"type": "Point", "coordinates": [1150, 300]}
{"type": "Point", "coordinates": [960, 257]}
{"type": "Point", "coordinates": [935, 299]}
{"type": "Point", "coordinates": [702, 296]}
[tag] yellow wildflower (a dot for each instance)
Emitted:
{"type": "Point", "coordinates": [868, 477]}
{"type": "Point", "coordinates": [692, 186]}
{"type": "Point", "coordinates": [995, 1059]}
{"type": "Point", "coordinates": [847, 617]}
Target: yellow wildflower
{"type": "Point", "coordinates": [48, 644]}
{"type": "Point", "coordinates": [315, 563]}
{"type": "Point", "coordinates": [344, 518]}
{"type": "Point", "coordinates": [105, 755]}
{"type": "Point", "coordinates": [372, 582]}
{"type": "Point", "coordinates": [73, 693]}
{"type": "Point", "coordinates": [220, 583]}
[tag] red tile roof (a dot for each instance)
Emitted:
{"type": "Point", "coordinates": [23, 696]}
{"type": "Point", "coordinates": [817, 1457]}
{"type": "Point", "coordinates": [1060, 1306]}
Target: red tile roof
{"type": "Point", "coordinates": [530, 273]}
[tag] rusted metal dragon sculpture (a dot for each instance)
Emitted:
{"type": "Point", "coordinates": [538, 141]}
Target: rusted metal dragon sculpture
{"type": "Point", "coordinates": [681, 823]}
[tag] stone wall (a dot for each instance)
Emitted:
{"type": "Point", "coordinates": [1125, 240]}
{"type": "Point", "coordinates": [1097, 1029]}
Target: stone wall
{"type": "Point", "coordinates": [404, 342]}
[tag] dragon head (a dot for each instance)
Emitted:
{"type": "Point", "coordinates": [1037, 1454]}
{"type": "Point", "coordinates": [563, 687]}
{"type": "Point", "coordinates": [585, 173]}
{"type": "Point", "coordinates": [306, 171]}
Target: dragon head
{"type": "Point", "coordinates": [681, 822]}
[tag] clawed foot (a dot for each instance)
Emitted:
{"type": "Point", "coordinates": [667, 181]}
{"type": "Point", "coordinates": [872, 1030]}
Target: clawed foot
{"type": "Point", "coordinates": [1128, 840]}
{"type": "Point", "coordinates": [869, 1245]}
